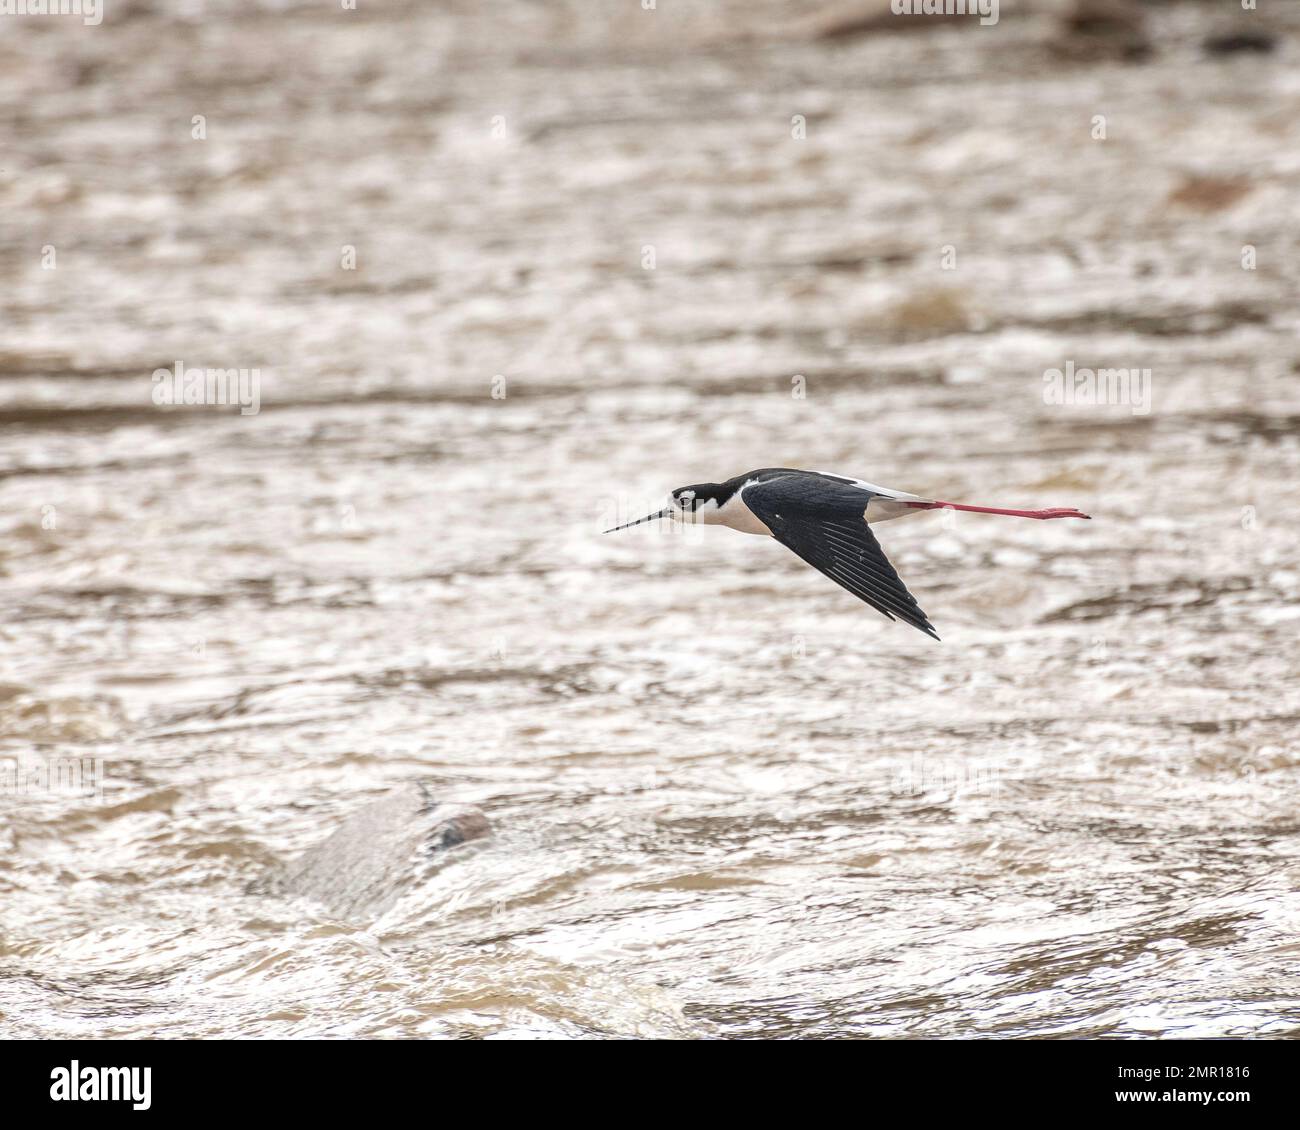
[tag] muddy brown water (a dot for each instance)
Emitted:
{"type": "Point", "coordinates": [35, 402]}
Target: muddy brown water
{"type": "Point", "coordinates": [727, 799]}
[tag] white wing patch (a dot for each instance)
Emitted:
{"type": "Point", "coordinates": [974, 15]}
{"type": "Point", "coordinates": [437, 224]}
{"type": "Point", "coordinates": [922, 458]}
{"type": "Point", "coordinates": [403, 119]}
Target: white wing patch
{"type": "Point", "coordinates": [864, 485]}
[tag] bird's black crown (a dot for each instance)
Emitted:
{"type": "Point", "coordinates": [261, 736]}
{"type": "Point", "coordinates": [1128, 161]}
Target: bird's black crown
{"type": "Point", "coordinates": [695, 495]}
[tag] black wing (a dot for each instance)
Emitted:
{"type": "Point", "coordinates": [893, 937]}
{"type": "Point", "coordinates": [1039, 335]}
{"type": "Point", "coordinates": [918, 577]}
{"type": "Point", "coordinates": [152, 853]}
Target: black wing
{"type": "Point", "coordinates": [823, 523]}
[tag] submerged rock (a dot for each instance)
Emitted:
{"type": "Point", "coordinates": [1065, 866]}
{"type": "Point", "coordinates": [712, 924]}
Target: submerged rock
{"type": "Point", "coordinates": [379, 852]}
{"type": "Point", "coordinates": [1234, 43]}
{"type": "Point", "coordinates": [1094, 30]}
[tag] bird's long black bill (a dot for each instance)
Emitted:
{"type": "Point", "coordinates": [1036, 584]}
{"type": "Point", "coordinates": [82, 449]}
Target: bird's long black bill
{"type": "Point", "coordinates": [647, 518]}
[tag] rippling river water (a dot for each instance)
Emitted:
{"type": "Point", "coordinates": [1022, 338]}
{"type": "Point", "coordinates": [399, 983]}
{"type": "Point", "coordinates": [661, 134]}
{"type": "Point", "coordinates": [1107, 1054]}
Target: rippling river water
{"type": "Point", "coordinates": [596, 256]}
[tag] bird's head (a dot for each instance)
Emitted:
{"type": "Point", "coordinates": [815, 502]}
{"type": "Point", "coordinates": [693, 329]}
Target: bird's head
{"type": "Point", "coordinates": [686, 504]}
{"type": "Point", "coordinates": [694, 503]}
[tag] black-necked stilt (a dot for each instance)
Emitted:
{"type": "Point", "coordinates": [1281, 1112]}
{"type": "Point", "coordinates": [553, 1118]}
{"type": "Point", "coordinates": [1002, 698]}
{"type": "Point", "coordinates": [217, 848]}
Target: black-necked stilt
{"type": "Point", "coordinates": [824, 519]}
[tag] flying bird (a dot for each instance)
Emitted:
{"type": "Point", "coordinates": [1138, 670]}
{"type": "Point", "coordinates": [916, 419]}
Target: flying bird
{"type": "Point", "coordinates": [826, 520]}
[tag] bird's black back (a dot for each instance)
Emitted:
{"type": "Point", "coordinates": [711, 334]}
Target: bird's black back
{"type": "Point", "coordinates": [821, 518]}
